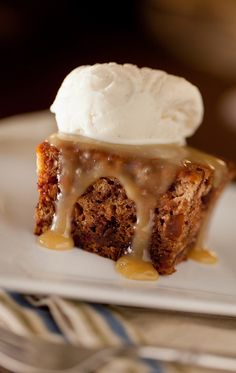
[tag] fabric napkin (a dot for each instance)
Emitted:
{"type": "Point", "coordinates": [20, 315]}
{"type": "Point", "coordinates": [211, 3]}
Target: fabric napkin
{"type": "Point", "coordinates": [55, 319]}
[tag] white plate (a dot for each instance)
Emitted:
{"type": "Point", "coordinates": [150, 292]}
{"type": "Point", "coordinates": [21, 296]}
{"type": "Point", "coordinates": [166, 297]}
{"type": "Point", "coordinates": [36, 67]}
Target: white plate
{"type": "Point", "coordinates": [26, 267]}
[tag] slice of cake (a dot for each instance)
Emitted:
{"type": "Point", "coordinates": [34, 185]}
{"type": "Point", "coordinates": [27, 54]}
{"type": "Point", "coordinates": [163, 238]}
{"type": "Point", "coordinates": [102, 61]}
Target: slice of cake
{"type": "Point", "coordinates": [118, 180]}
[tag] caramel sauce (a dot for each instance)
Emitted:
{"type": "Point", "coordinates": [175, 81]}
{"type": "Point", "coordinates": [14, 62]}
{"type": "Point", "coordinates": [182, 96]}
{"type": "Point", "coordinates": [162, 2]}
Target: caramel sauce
{"type": "Point", "coordinates": [145, 171]}
{"type": "Point", "coordinates": [136, 269]}
{"type": "Point", "coordinates": [216, 164]}
{"type": "Point", "coordinates": [203, 255]}
{"type": "Point", "coordinates": [55, 241]}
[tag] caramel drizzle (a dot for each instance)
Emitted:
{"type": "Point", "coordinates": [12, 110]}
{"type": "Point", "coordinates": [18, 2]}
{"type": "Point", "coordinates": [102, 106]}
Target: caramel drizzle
{"type": "Point", "coordinates": [79, 170]}
{"type": "Point", "coordinates": [78, 174]}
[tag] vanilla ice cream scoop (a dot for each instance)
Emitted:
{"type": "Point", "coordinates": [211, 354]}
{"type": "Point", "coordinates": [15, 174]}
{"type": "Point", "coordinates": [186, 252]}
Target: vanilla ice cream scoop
{"type": "Point", "coordinates": [125, 104]}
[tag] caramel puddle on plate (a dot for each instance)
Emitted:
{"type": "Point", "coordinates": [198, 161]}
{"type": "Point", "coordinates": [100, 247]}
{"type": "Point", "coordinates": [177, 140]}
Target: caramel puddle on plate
{"type": "Point", "coordinates": [203, 256]}
{"type": "Point", "coordinates": [135, 268]}
{"type": "Point", "coordinates": [55, 241]}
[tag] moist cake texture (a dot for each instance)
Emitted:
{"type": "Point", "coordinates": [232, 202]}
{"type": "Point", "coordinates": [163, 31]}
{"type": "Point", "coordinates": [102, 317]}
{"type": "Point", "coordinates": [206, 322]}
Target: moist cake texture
{"type": "Point", "coordinates": [103, 217]}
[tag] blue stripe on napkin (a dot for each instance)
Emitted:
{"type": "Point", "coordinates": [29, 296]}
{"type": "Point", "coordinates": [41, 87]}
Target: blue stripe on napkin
{"type": "Point", "coordinates": [44, 314]}
{"type": "Point", "coordinates": [113, 322]}
{"type": "Point", "coordinates": [155, 366]}
{"type": "Point", "coordinates": [119, 330]}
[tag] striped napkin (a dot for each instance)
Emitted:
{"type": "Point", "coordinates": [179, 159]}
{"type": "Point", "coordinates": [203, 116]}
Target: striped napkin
{"type": "Point", "coordinates": [94, 325]}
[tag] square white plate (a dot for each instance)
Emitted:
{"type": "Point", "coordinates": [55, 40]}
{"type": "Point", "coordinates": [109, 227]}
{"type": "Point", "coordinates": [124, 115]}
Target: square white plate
{"type": "Point", "coordinates": [26, 267]}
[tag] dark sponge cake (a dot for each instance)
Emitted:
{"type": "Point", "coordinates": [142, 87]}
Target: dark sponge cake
{"type": "Point", "coordinates": [103, 217]}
